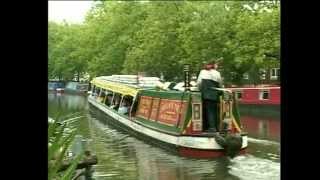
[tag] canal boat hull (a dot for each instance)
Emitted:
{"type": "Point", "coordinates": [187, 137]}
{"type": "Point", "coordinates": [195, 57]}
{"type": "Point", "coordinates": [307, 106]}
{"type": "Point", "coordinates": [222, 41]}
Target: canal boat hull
{"type": "Point", "coordinates": [183, 145]}
{"type": "Point", "coordinates": [55, 86]}
{"type": "Point", "coordinates": [263, 110]}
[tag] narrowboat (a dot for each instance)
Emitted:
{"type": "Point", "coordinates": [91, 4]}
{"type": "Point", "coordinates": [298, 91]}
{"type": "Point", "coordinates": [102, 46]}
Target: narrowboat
{"type": "Point", "coordinates": [258, 96]}
{"type": "Point", "coordinates": [76, 88]}
{"type": "Point", "coordinates": [259, 100]}
{"type": "Point", "coordinates": [171, 119]}
{"type": "Point", "coordinates": [55, 86]}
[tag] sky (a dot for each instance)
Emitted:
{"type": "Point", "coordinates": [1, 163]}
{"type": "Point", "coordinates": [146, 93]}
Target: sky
{"type": "Point", "coordinates": [71, 11]}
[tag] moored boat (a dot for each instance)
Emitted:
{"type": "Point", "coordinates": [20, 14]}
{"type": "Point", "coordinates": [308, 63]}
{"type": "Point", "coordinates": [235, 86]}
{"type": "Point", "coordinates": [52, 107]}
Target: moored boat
{"type": "Point", "coordinates": [258, 95]}
{"type": "Point", "coordinates": [259, 100]}
{"type": "Point", "coordinates": [76, 88]}
{"type": "Point", "coordinates": [60, 90]}
{"type": "Point", "coordinates": [169, 118]}
{"type": "Point", "coordinates": [55, 86]}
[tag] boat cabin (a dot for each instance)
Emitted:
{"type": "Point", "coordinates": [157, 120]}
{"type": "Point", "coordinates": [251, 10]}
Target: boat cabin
{"type": "Point", "coordinates": [54, 85]}
{"type": "Point", "coordinates": [169, 111]}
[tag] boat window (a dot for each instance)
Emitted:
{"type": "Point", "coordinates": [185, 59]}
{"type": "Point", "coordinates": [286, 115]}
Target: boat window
{"type": "Point", "coordinates": [238, 94]}
{"type": "Point", "coordinates": [125, 105]}
{"type": "Point", "coordinates": [97, 92]}
{"type": "Point", "coordinates": [134, 107]}
{"type": "Point", "coordinates": [82, 87]}
{"type": "Point", "coordinates": [264, 95]}
{"type": "Point", "coordinates": [108, 100]}
{"type": "Point", "coordinates": [116, 101]}
{"type": "Point", "coordinates": [103, 95]}
{"type": "Point", "coordinates": [197, 117]}
{"type": "Point", "coordinates": [196, 112]}
{"type": "Point", "coordinates": [93, 89]}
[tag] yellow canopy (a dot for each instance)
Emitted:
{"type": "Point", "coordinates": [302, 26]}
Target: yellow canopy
{"type": "Point", "coordinates": [115, 87]}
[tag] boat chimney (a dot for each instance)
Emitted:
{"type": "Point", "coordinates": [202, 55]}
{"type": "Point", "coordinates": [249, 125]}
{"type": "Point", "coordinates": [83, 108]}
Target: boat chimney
{"type": "Point", "coordinates": [186, 69]}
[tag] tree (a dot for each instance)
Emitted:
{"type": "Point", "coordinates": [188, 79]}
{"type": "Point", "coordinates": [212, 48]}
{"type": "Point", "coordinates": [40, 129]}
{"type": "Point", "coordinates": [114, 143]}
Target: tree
{"type": "Point", "coordinates": [157, 50]}
{"type": "Point", "coordinates": [159, 37]}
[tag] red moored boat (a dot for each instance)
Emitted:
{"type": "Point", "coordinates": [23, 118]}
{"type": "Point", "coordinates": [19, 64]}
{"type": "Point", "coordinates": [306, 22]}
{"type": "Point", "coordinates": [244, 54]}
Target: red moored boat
{"type": "Point", "coordinates": [258, 95]}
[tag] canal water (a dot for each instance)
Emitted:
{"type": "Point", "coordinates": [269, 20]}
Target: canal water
{"type": "Point", "coordinates": [124, 157]}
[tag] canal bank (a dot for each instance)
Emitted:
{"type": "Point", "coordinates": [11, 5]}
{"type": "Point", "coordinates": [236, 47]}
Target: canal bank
{"type": "Point", "coordinates": [124, 157]}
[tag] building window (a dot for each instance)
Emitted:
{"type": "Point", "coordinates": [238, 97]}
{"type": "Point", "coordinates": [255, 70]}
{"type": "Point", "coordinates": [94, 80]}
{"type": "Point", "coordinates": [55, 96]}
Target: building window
{"type": "Point", "coordinates": [264, 95]}
{"type": "Point", "coordinates": [263, 73]}
{"type": "Point", "coordinates": [245, 76]}
{"type": "Point", "coordinates": [274, 74]}
{"type": "Point", "coordinates": [238, 94]}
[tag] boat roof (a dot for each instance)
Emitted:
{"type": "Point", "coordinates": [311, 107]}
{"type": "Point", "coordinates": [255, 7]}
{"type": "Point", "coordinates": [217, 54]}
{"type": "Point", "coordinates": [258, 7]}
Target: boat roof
{"type": "Point", "coordinates": [115, 87]}
{"type": "Point", "coordinates": [146, 86]}
{"type": "Point", "coordinates": [167, 94]}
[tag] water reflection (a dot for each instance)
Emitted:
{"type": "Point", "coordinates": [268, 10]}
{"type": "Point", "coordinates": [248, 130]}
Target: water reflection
{"type": "Point", "coordinates": [144, 161]}
{"type": "Point", "coordinates": [65, 104]}
{"type": "Point", "coordinates": [264, 135]}
{"type": "Point", "coordinates": [262, 128]}
{"type": "Point", "coordinates": [122, 156]}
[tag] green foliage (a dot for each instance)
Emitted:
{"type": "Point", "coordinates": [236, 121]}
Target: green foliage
{"type": "Point", "coordinates": [59, 142]}
{"type": "Point", "coordinates": [67, 54]}
{"type": "Point", "coordinates": [158, 37]}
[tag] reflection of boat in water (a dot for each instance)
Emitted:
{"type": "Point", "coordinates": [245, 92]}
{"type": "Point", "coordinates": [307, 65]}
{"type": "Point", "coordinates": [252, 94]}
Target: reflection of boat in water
{"type": "Point", "coordinates": [64, 102]}
{"type": "Point", "coordinates": [125, 157]}
{"type": "Point", "coordinates": [156, 164]}
{"type": "Point", "coordinates": [263, 128]}
{"type": "Point", "coordinates": [144, 161]}
{"type": "Point", "coordinates": [170, 119]}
